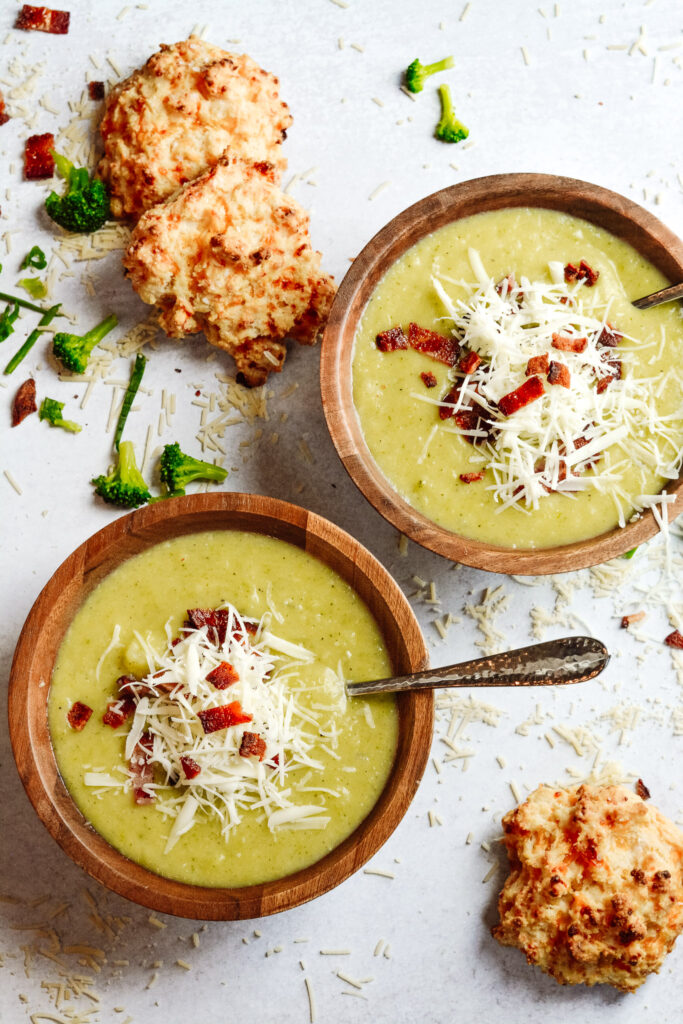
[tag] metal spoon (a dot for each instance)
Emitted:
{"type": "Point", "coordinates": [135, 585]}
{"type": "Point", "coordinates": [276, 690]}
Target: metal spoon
{"type": "Point", "coordinates": [572, 659]}
{"type": "Point", "coordinates": [674, 291]}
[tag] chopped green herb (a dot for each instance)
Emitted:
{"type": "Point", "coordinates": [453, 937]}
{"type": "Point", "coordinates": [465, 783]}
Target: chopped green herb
{"type": "Point", "coordinates": [51, 410]}
{"type": "Point", "coordinates": [47, 318]}
{"type": "Point", "coordinates": [24, 304]}
{"type": "Point", "coordinates": [131, 392]}
{"type": "Point", "coordinates": [35, 258]}
{"type": "Point", "coordinates": [7, 321]}
{"type": "Point", "coordinates": [73, 350]}
{"type": "Point", "coordinates": [631, 553]}
{"type": "Point", "coordinates": [34, 286]}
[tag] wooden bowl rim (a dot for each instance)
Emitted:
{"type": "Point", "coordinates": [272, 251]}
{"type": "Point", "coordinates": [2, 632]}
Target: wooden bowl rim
{"type": "Point", "coordinates": [27, 703]}
{"type": "Point", "coordinates": [497, 191]}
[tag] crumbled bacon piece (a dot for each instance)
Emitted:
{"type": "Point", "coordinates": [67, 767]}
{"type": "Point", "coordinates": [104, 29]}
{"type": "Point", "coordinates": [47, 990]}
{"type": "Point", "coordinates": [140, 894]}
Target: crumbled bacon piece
{"type": "Point", "coordinates": [642, 790]}
{"type": "Point", "coordinates": [142, 770]}
{"type": "Point", "coordinates": [38, 160]}
{"type": "Point", "coordinates": [43, 19]}
{"type": "Point", "coordinates": [613, 368]}
{"type": "Point", "coordinates": [471, 478]}
{"type": "Point", "coordinates": [428, 379]}
{"type": "Point", "coordinates": [566, 344]}
{"type": "Point", "coordinates": [581, 273]}
{"type": "Point", "coordinates": [444, 350]}
{"type": "Point", "coordinates": [389, 341]}
{"type": "Point", "coordinates": [469, 362]}
{"type": "Point", "coordinates": [506, 285]}
{"type": "Point", "coordinates": [537, 364]}
{"type": "Point", "coordinates": [223, 717]}
{"type": "Point", "coordinates": [558, 373]}
{"type": "Point", "coordinates": [223, 676]}
{"type": "Point", "coordinates": [215, 619]}
{"type": "Point", "coordinates": [608, 337]}
{"type": "Point", "coordinates": [628, 620]}
{"type": "Point", "coordinates": [24, 402]}
{"type": "Point", "coordinates": [473, 418]}
{"type": "Point", "coordinates": [96, 90]}
{"type": "Point", "coordinates": [4, 116]}
{"type": "Point", "coordinates": [445, 411]}
{"type": "Point", "coordinates": [528, 392]}
{"type": "Point", "coordinates": [190, 767]}
{"type": "Point", "coordinates": [674, 639]}
{"type": "Point", "coordinates": [252, 745]}
{"type": "Point", "coordinates": [78, 715]}
{"type": "Point", "coordinates": [129, 686]}
{"type": "Point", "coordinates": [118, 711]}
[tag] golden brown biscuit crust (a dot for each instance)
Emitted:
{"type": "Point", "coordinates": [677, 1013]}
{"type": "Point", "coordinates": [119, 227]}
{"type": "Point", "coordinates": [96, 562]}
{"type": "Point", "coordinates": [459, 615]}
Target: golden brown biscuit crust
{"type": "Point", "coordinates": [595, 892]}
{"type": "Point", "coordinates": [174, 117]}
{"type": "Point", "coordinates": [229, 254]}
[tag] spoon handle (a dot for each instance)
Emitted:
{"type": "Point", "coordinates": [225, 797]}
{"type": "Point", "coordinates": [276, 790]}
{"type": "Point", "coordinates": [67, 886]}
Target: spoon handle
{"type": "Point", "coordinates": [674, 291]}
{"type": "Point", "coordinates": [572, 659]}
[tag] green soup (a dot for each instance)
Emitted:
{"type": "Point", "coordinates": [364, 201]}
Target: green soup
{"type": "Point", "coordinates": [397, 426]}
{"type": "Point", "coordinates": [319, 611]}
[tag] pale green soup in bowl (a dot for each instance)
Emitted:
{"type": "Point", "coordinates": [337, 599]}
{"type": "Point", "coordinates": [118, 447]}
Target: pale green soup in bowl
{"type": "Point", "coordinates": [492, 389]}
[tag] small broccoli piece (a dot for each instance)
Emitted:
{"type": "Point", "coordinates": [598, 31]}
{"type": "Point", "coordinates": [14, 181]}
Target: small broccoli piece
{"type": "Point", "coordinates": [36, 288]}
{"type": "Point", "coordinates": [84, 207]}
{"type": "Point", "coordinates": [177, 470]}
{"type": "Point", "coordinates": [125, 485]}
{"type": "Point", "coordinates": [51, 410]}
{"type": "Point", "coordinates": [416, 73]}
{"type": "Point", "coordinates": [35, 258]}
{"type": "Point", "coordinates": [449, 129]}
{"type": "Point", "coordinates": [73, 350]}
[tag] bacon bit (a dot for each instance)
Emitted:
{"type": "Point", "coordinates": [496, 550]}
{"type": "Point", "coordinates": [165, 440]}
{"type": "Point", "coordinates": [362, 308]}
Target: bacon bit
{"type": "Point", "coordinates": [43, 19]}
{"type": "Point", "coordinates": [537, 364]}
{"type": "Point", "coordinates": [389, 341]}
{"type": "Point", "coordinates": [96, 90]}
{"type": "Point", "coordinates": [445, 412]}
{"type": "Point", "coordinates": [275, 760]}
{"type": "Point", "coordinates": [581, 273]}
{"type": "Point", "coordinates": [252, 745]}
{"type": "Point", "coordinates": [628, 620]}
{"type": "Point", "coordinates": [190, 767]}
{"type": "Point", "coordinates": [24, 402]}
{"type": "Point", "coordinates": [223, 717]}
{"type": "Point", "coordinates": [642, 790]}
{"type": "Point", "coordinates": [428, 379]}
{"type": "Point", "coordinates": [469, 362]}
{"type": "Point", "coordinates": [215, 620]}
{"type": "Point", "coordinates": [118, 711]}
{"type": "Point", "coordinates": [558, 373]}
{"type": "Point", "coordinates": [78, 715]}
{"type": "Point", "coordinates": [38, 160]}
{"type": "Point", "coordinates": [609, 338]}
{"type": "Point", "coordinates": [674, 639]}
{"type": "Point", "coordinates": [473, 418]}
{"type": "Point", "coordinates": [565, 344]}
{"type": "Point", "coordinates": [223, 676]}
{"type": "Point", "coordinates": [141, 769]}
{"type": "Point", "coordinates": [566, 300]}
{"type": "Point", "coordinates": [506, 284]}
{"type": "Point", "coordinates": [471, 478]}
{"type": "Point", "coordinates": [613, 367]}
{"type": "Point", "coordinates": [526, 393]}
{"type": "Point", "coordinates": [4, 116]}
{"type": "Point", "coordinates": [444, 350]}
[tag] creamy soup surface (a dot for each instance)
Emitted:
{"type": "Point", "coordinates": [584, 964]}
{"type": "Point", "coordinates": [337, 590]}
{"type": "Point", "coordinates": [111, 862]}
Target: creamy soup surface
{"type": "Point", "coordinates": [397, 426]}
{"type": "Point", "coordinates": [319, 611]}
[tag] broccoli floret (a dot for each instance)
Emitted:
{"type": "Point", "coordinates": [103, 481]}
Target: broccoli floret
{"type": "Point", "coordinates": [73, 350]}
{"type": "Point", "coordinates": [416, 73]}
{"type": "Point", "coordinates": [84, 207]}
{"type": "Point", "coordinates": [177, 470]}
{"type": "Point", "coordinates": [125, 485]}
{"type": "Point", "coordinates": [51, 410]}
{"type": "Point", "coordinates": [449, 129]}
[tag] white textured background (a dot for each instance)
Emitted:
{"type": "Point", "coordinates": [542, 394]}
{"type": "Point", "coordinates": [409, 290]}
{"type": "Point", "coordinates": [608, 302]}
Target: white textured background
{"type": "Point", "coordinates": [600, 98]}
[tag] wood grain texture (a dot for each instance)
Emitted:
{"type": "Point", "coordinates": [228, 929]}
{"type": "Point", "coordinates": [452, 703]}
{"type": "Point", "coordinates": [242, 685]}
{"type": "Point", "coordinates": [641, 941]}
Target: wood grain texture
{"type": "Point", "coordinates": [609, 210]}
{"type": "Point", "coordinates": [50, 618]}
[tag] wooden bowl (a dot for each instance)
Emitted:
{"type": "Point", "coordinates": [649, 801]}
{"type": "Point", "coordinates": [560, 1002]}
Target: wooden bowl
{"type": "Point", "coordinates": [607, 209]}
{"type": "Point", "coordinates": [49, 620]}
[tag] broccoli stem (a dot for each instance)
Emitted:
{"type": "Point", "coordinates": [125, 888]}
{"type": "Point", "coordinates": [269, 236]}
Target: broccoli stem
{"type": "Point", "coordinates": [26, 305]}
{"type": "Point", "coordinates": [447, 108]}
{"type": "Point", "coordinates": [129, 397]}
{"type": "Point", "coordinates": [439, 65]}
{"type": "Point", "coordinates": [47, 317]}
